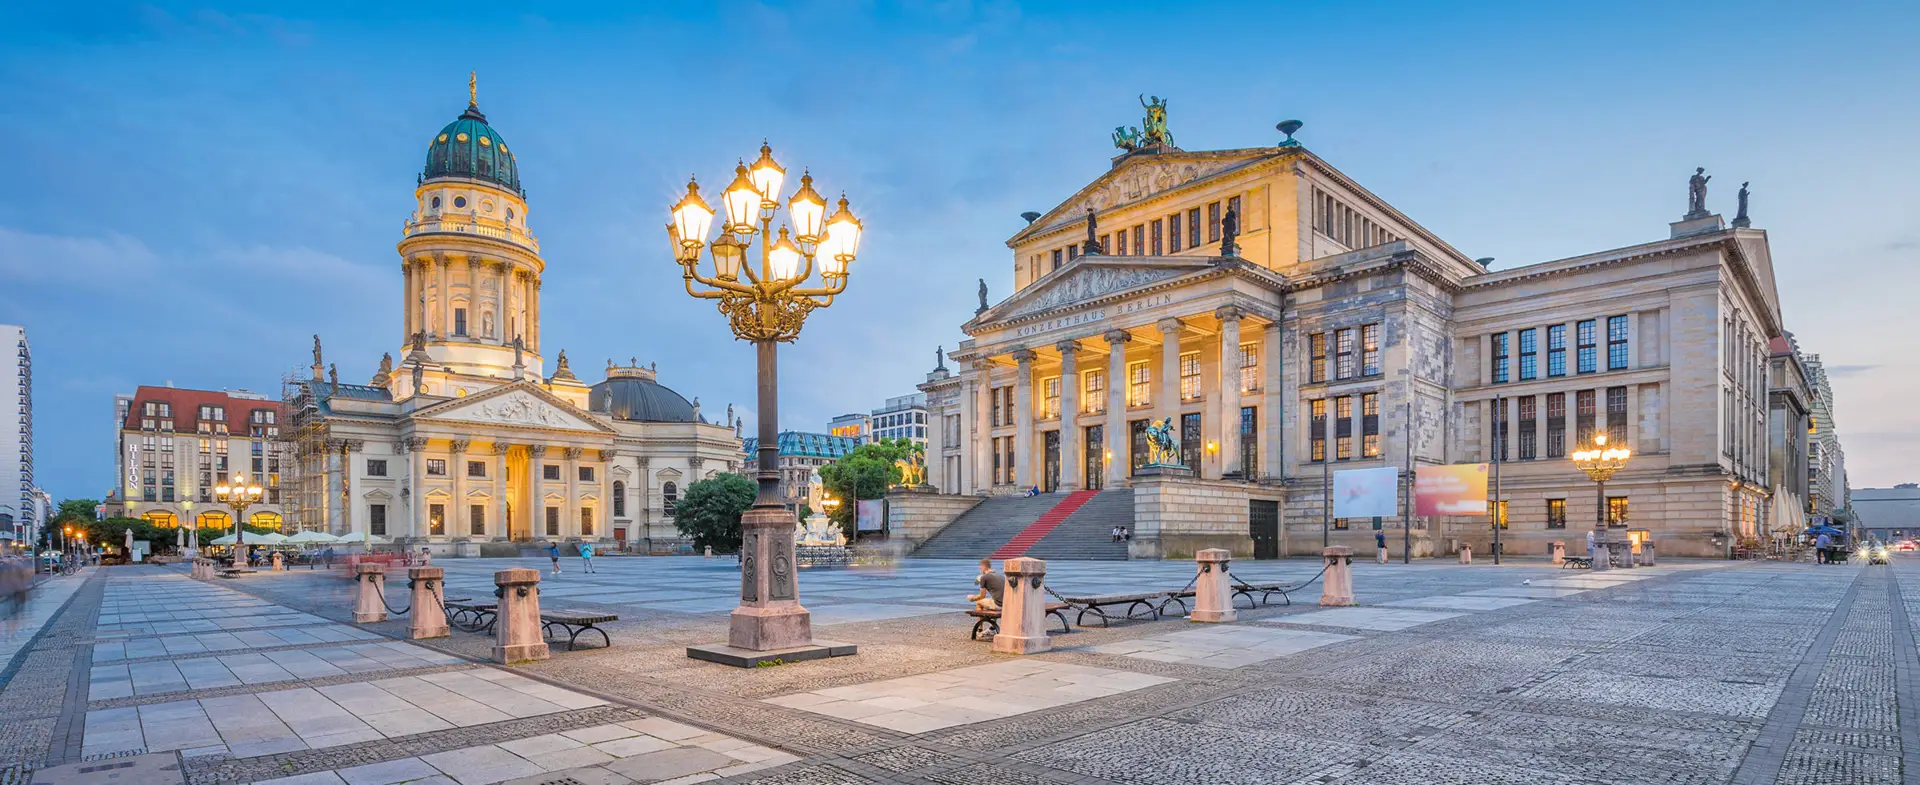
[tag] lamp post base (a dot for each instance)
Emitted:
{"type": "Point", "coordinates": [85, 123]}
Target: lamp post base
{"type": "Point", "coordinates": [770, 623]}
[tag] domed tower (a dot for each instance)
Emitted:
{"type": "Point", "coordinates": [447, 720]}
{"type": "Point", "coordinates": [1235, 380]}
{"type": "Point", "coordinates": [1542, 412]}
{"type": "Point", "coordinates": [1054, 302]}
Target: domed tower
{"type": "Point", "coordinates": [471, 266]}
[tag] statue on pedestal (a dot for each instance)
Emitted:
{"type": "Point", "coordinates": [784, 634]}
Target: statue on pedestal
{"type": "Point", "coordinates": [983, 297]}
{"type": "Point", "coordinates": [1697, 193]}
{"type": "Point", "coordinates": [1230, 233]}
{"type": "Point", "coordinates": [1740, 219]}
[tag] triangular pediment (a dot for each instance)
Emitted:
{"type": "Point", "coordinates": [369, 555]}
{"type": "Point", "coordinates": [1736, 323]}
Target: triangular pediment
{"type": "Point", "coordinates": [1090, 278]}
{"type": "Point", "coordinates": [520, 405]}
{"type": "Point", "coordinates": [1142, 176]}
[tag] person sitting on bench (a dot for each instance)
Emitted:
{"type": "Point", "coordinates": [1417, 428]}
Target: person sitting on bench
{"type": "Point", "coordinates": [992, 585]}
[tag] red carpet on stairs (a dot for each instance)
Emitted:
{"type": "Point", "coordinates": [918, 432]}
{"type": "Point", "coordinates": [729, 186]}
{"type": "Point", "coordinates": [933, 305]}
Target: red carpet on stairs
{"type": "Point", "coordinates": [1053, 518]}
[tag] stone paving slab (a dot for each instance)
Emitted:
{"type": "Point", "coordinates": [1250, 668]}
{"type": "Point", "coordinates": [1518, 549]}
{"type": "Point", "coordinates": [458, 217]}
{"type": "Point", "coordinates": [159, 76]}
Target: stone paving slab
{"type": "Point", "coordinates": [1384, 619]}
{"type": "Point", "coordinates": [932, 701]}
{"type": "Point", "coordinates": [1224, 646]}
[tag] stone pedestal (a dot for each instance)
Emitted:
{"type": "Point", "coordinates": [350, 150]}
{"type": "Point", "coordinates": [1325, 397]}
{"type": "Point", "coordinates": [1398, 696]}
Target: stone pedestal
{"type": "Point", "coordinates": [1556, 552]}
{"type": "Point", "coordinates": [770, 623]}
{"type": "Point", "coordinates": [1336, 587]}
{"type": "Point", "coordinates": [1466, 554]}
{"type": "Point", "coordinates": [1623, 551]}
{"type": "Point", "coordinates": [279, 562]}
{"type": "Point", "coordinates": [369, 592]}
{"type": "Point", "coordinates": [1602, 561]}
{"type": "Point", "coordinates": [1213, 596]}
{"type": "Point", "coordinates": [517, 635]}
{"type": "Point", "coordinates": [240, 560]}
{"type": "Point", "coordinates": [428, 617]}
{"type": "Point", "coordinates": [1646, 554]}
{"type": "Point", "coordinates": [1023, 616]}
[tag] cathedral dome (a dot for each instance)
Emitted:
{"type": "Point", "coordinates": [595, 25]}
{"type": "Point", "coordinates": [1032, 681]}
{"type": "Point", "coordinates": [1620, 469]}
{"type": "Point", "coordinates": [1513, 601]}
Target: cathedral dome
{"type": "Point", "coordinates": [631, 394]}
{"type": "Point", "coordinates": [469, 148]}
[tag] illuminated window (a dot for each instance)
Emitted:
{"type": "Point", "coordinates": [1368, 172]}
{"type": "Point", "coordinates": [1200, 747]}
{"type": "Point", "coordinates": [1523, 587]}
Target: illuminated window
{"type": "Point", "coordinates": [1139, 384]}
{"type": "Point", "coordinates": [1343, 427]}
{"type": "Point", "coordinates": [437, 519]}
{"type": "Point", "coordinates": [1370, 350]}
{"type": "Point", "coordinates": [1343, 366]}
{"type": "Point", "coordinates": [1556, 513]}
{"type": "Point", "coordinates": [1050, 397]}
{"type": "Point", "coordinates": [1616, 511]}
{"type": "Point", "coordinates": [1317, 429]}
{"type": "Point", "coordinates": [1370, 425]}
{"type": "Point", "coordinates": [1249, 367]}
{"type": "Point", "coordinates": [1096, 391]}
{"type": "Point", "coordinates": [1317, 357]}
{"type": "Point", "coordinates": [1189, 376]}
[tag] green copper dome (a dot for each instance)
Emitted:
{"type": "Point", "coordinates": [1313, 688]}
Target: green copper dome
{"type": "Point", "coordinates": [469, 148]}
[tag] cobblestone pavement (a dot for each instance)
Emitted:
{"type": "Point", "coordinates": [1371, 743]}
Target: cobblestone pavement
{"type": "Point", "coordinates": [1691, 672]}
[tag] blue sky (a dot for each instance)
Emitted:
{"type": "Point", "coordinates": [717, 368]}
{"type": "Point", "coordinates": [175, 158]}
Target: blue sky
{"type": "Point", "coordinates": [190, 190]}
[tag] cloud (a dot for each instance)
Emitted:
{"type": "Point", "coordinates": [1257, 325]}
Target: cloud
{"type": "Point", "coordinates": [106, 262]}
{"type": "Point", "coordinates": [1838, 371]}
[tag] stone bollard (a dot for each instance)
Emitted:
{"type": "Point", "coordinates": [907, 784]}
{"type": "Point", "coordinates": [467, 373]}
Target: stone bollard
{"type": "Point", "coordinates": [1556, 553]}
{"type": "Point", "coordinates": [1380, 556]}
{"type": "Point", "coordinates": [1646, 554]}
{"type": "Point", "coordinates": [428, 617]}
{"type": "Point", "coordinates": [278, 564]}
{"type": "Point", "coordinates": [1466, 554]}
{"type": "Point", "coordinates": [196, 570]}
{"type": "Point", "coordinates": [369, 595]}
{"type": "Point", "coordinates": [1336, 587]}
{"type": "Point", "coordinates": [1023, 617]}
{"type": "Point", "coordinates": [517, 634]}
{"type": "Point", "coordinates": [1212, 595]}
{"type": "Point", "coordinates": [709, 551]}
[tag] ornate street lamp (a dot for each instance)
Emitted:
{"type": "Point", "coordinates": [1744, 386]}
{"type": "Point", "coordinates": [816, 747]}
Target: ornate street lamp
{"type": "Point", "coordinates": [766, 303]}
{"type": "Point", "coordinates": [238, 494]}
{"type": "Point", "coordinates": [1600, 462]}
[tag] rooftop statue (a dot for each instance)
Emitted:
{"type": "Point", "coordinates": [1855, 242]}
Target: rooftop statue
{"type": "Point", "coordinates": [1697, 193]}
{"type": "Point", "coordinates": [1155, 126]}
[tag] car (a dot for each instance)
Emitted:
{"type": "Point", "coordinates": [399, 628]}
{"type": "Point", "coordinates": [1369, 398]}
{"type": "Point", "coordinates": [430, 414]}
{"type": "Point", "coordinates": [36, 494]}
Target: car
{"type": "Point", "coordinates": [1875, 554]}
{"type": "Point", "coordinates": [1906, 545]}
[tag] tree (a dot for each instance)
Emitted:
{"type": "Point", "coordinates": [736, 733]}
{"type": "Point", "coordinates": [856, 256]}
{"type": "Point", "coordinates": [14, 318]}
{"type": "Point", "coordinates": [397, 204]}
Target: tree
{"type": "Point", "coordinates": [709, 512]}
{"type": "Point", "coordinates": [865, 472]}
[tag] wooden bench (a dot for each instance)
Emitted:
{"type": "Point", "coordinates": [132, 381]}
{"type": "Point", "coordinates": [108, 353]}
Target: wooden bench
{"type": "Point", "coordinates": [471, 616]}
{"type": "Point", "coordinates": [1145, 605]}
{"type": "Point", "coordinates": [575, 623]}
{"type": "Point", "coordinates": [989, 621]}
{"type": "Point", "coordinates": [1576, 563]}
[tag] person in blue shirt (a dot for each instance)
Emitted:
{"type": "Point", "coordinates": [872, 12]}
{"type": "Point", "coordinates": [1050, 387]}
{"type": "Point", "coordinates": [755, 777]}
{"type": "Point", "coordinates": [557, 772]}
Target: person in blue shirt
{"type": "Point", "coordinates": [586, 556]}
{"type": "Point", "coordinates": [553, 552]}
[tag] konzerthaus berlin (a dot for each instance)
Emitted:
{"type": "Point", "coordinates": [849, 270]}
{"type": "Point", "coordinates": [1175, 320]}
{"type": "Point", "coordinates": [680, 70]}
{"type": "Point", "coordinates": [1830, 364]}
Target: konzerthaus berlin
{"type": "Point", "coordinates": [1339, 329]}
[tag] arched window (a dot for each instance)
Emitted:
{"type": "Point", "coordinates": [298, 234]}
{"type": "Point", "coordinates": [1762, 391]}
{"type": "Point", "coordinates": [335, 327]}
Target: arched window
{"type": "Point", "coordinates": [671, 494]}
{"type": "Point", "coordinates": [619, 499]}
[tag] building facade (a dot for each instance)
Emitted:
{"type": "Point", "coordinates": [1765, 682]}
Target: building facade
{"type": "Point", "coordinates": [1888, 514]}
{"type": "Point", "coordinates": [175, 446]}
{"type": "Point", "coordinates": [1287, 322]}
{"type": "Point", "coordinates": [19, 505]}
{"type": "Point", "coordinates": [468, 438]}
{"type": "Point", "coordinates": [904, 417]}
{"type": "Point", "coordinates": [1789, 426]}
{"type": "Point", "coordinates": [853, 426]}
{"type": "Point", "coordinates": [1826, 459]}
{"type": "Point", "coordinates": [801, 454]}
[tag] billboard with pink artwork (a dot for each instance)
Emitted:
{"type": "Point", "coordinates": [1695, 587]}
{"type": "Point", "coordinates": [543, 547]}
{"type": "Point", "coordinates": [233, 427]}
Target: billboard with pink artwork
{"type": "Point", "coordinates": [1459, 489]}
{"type": "Point", "coordinates": [1366, 493]}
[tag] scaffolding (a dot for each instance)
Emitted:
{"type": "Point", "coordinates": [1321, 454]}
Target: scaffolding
{"type": "Point", "coordinates": [305, 448]}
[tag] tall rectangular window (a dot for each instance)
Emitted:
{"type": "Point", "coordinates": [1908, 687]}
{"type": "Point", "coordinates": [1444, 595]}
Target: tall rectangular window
{"type": "Point", "coordinates": [1190, 441]}
{"type": "Point", "coordinates": [1189, 376]}
{"type": "Point", "coordinates": [1616, 343]}
{"type": "Point", "coordinates": [1106, 243]}
{"type": "Point", "coordinates": [998, 411]}
{"type": "Point", "coordinates": [436, 467]}
{"type": "Point", "coordinates": [1500, 348]}
{"type": "Point", "coordinates": [1213, 222]}
{"type": "Point", "coordinates": [1073, 252]}
{"type": "Point", "coordinates": [550, 471]}
{"type": "Point", "coordinates": [376, 467]}
{"type": "Point", "coordinates": [1139, 384]}
{"type": "Point", "coordinates": [437, 519]}
{"type": "Point", "coordinates": [553, 521]}
{"type": "Point", "coordinates": [477, 520]}
{"type": "Point", "coordinates": [1095, 400]}
{"type": "Point", "coordinates": [1140, 240]}
{"type": "Point", "coordinates": [1370, 350]}
{"type": "Point", "coordinates": [586, 473]}
{"type": "Point", "coordinates": [1500, 513]}
{"type": "Point", "coordinates": [1317, 429]}
{"type": "Point", "coordinates": [377, 519]}
{"type": "Point", "coordinates": [1556, 425]}
{"type": "Point", "coordinates": [1317, 357]}
{"type": "Point", "coordinates": [1174, 236]}
{"type": "Point", "coordinates": [1556, 350]}
{"type": "Point", "coordinates": [1529, 436]}
{"type": "Point", "coordinates": [1240, 217]}
{"type": "Point", "coordinates": [1556, 513]}
{"type": "Point", "coordinates": [1343, 427]}
{"type": "Point", "coordinates": [477, 469]}
{"type": "Point", "coordinates": [1343, 360]}
{"type": "Point", "coordinates": [1249, 367]}
{"type": "Point", "coordinates": [1157, 243]}
{"type": "Point", "coordinates": [1497, 413]}
{"type": "Point", "coordinates": [1120, 240]}
{"type": "Point", "coordinates": [1249, 441]}
{"type": "Point", "coordinates": [459, 321]}
{"type": "Point", "coordinates": [1583, 417]}
{"type": "Point", "coordinates": [1193, 228]}
{"type": "Point", "coordinates": [1529, 354]}
{"type": "Point", "coordinates": [1617, 416]}
{"type": "Point", "coordinates": [1587, 347]}
{"type": "Point", "coordinates": [586, 521]}
{"type": "Point", "coordinates": [1050, 397]}
{"type": "Point", "coordinates": [1137, 433]}
{"type": "Point", "coordinates": [1056, 259]}
{"type": "Point", "coordinates": [1616, 511]}
{"type": "Point", "coordinates": [1370, 425]}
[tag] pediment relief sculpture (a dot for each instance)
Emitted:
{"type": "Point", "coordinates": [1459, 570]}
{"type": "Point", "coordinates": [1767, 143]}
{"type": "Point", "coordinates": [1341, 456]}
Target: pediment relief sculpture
{"type": "Point", "coordinates": [1089, 284]}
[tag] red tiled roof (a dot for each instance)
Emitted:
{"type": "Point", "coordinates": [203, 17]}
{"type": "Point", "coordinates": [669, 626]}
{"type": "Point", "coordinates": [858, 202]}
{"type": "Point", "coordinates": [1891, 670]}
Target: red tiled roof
{"type": "Point", "coordinates": [1779, 345]}
{"type": "Point", "coordinates": [185, 405]}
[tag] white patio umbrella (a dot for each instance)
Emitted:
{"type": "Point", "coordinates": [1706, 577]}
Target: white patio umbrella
{"type": "Point", "coordinates": [311, 538]}
{"type": "Point", "coordinates": [362, 538]}
{"type": "Point", "coordinates": [222, 540]}
{"type": "Point", "coordinates": [274, 538]}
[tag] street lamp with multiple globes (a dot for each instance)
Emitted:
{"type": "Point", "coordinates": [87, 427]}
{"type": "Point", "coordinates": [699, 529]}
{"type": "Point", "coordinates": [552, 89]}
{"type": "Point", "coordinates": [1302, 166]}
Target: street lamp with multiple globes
{"type": "Point", "coordinates": [238, 494]}
{"type": "Point", "coordinates": [766, 303]}
{"type": "Point", "coordinates": [1600, 462]}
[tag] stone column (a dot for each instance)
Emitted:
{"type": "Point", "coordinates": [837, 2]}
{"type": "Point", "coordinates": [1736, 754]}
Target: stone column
{"type": "Point", "coordinates": [1273, 416]}
{"type": "Point", "coordinates": [603, 520]}
{"type": "Point", "coordinates": [417, 467]}
{"type": "Point", "coordinates": [1118, 442]}
{"type": "Point", "coordinates": [983, 428]}
{"type": "Point", "coordinates": [570, 515]}
{"type": "Point", "coordinates": [473, 297]}
{"type": "Point", "coordinates": [1230, 316]}
{"type": "Point", "coordinates": [443, 295]}
{"type": "Point", "coordinates": [532, 497]}
{"type": "Point", "coordinates": [1337, 584]}
{"type": "Point", "coordinates": [1023, 617]}
{"type": "Point", "coordinates": [1023, 420]}
{"type": "Point", "coordinates": [517, 635]}
{"type": "Point", "coordinates": [1169, 404]}
{"type": "Point", "coordinates": [533, 314]}
{"type": "Point", "coordinates": [428, 617]}
{"type": "Point", "coordinates": [1072, 455]}
{"type": "Point", "coordinates": [1213, 595]}
{"type": "Point", "coordinates": [969, 442]}
{"type": "Point", "coordinates": [369, 604]}
{"type": "Point", "coordinates": [408, 296]}
{"type": "Point", "coordinates": [457, 518]}
{"type": "Point", "coordinates": [500, 527]}
{"type": "Point", "coordinates": [350, 490]}
{"type": "Point", "coordinates": [329, 481]}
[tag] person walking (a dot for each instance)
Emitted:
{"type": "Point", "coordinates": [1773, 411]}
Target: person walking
{"type": "Point", "coordinates": [586, 557]}
{"type": "Point", "coordinates": [1821, 546]}
{"type": "Point", "coordinates": [553, 552]}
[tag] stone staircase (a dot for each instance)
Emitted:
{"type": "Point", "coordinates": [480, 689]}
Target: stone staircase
{"type": "Point", "coordinates": [1087, 533]}
{"type": "Point", "coordinates": [1017, 546]}
{"type": "Point", "coordinates": [994, 524]}
{"type": "Point", "coordinates": [989, 525]}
